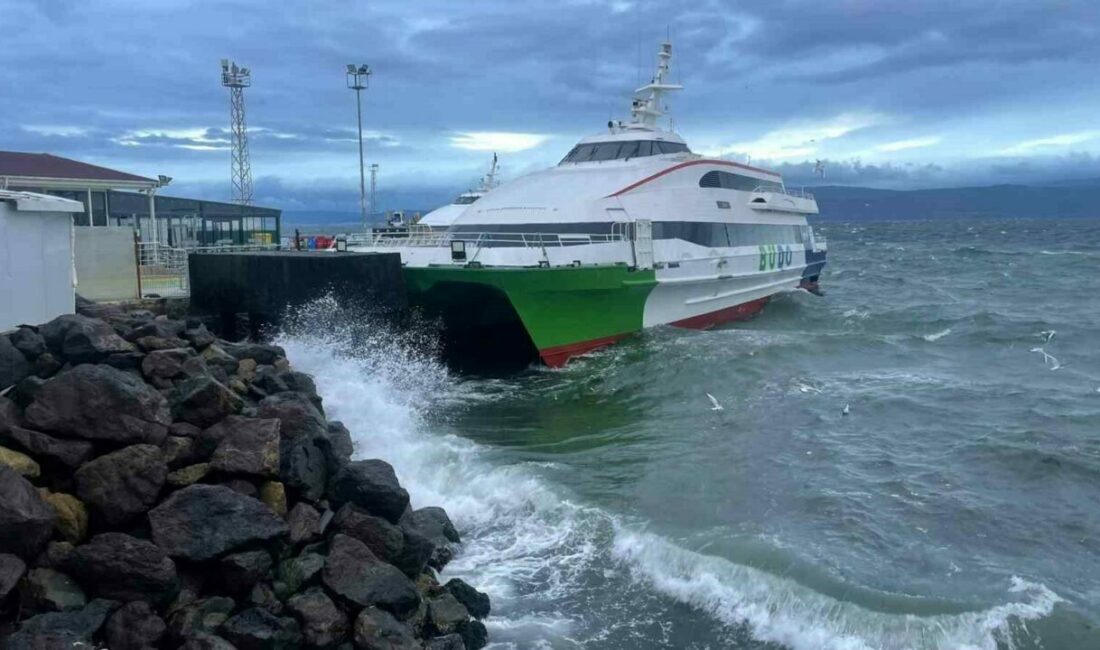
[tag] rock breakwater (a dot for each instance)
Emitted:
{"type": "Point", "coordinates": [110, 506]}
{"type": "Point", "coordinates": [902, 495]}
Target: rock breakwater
{"type": "Point", "coordinates": [161, 487]}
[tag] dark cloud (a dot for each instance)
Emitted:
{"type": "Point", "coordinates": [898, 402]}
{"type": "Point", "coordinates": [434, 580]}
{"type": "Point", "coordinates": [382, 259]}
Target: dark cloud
{"type": "Point", "coordinates": [141, 82]}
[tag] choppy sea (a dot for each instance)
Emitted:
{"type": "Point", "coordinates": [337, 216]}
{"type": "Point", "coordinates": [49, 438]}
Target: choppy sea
{"type": "Point", "coordinates": [615, 504]}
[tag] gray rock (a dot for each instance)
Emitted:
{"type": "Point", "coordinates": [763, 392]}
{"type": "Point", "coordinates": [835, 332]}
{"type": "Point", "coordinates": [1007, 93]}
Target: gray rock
{"type": "Point", "coordinates": [337, 446]}
{"type": "Point", "coordinates": [26, 521]}
{"type": "Point", "coordinates": [376, 629]}
{"type": "Point", "coordinates": [47, 365]}
{"type": "Point", "coordinates": [249, 446]}
{"type": "Point", "coordinates": [258, 352]}
{"type": "Point", "coordinates": [100, 403]}
{"type": "Point", "coordinates": [9, 415]}
{"type": "Point", "coordinates": [473, 634]}
{"type": "Point", "coordinates": [179, 451]}
{"type": "Point", "coordinates": [79, 339]}
{"type": "Point", "coordinates": [70, 453]}
{"type": "Point", "coordinates": [29, 342]}
{"type": "Point", "coordinates": [323, 623]}
{"type": "Point", "coordinates": [122, 484]}
{"type": "Point", "coordinates": [203, 401]}
{"type": "Point", "coordinates": [297, 572]}
{"type": "Point", "coordinates": [241, 571]}
{"type": "Point", "coordinates": [202, 616]}
{"type": "Point", "coordinates": [263, 596]}
{"type": "Point", "coordinates": [448, 642]}
{"type": "Point", "coordinates": [304, 522]}
{"type": "Point", "coordinates": [355, 574]}
{"type": "Point", "coordinates": [155, 343]}
{"type": "Point", "coordinates": [476, 602]}
{"type": "Point", "coordinates": [50, 590]}
{"type": "Point", "coordinates": [14, 367]}
{"type": "Point", "coordinates": [11, 570]}
{"type": "Point", "coordinates": [201, 522]}
{"type": "Point", "coordinates": [61, 630]}
{"type": "Point", "coordinates": [258, 629]}
{"type": "Point", "coordinates": [385, 540]}
{"type": "Point", "coordinates": [165, 364]}
{"type": "Point", "coordinates": [121, 567]}
{"type": "Point", "coordinates": [158, 327]}
{"type": "Point", "coordinates": [445, 613]}
{"type": "Point", "coordinates": [216, 357]}
{"type": "Point", "coordinates": [124, 360]}
{"type": "Point", "coordinates": [371, 485]}
{"type": "Point", "coordinates": [134, 626]}
{"type": "Point", "coordinates": [303, 468]}
{"type": "Point", "coordinates": [207, 642]}
{"type": "Point", "coordinates": [27, 389]}
{"type": "Point", "coordinates": [431, 522]}
{"type": "Point", "coordinates": [299, 417]}
{"type": "Point", "coordinates": [200, 337]}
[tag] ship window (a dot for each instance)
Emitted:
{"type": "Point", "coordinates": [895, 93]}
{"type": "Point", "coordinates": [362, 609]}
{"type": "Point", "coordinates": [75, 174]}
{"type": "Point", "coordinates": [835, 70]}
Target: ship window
{"type": "Point", "coordinates": [728, 181]}
{"type": "Point", "coordinates": [670, 147]}
{"type": "Point", "coordinates": [466, 200]}
{"type": "Point", "coordinates": [622, 150]}
{"type": "Point", "coordinates": [725, 205]}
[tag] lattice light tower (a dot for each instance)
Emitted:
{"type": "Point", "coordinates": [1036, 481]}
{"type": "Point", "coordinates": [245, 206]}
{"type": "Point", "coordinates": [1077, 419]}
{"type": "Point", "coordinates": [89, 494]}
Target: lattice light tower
{"type": "Point", "coordinates": [373, 177]}
{"type": "Point", "coordinates": [236, 79]}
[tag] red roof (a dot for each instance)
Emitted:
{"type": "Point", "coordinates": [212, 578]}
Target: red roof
{"type": "Point", "coordinates": [43, 165]}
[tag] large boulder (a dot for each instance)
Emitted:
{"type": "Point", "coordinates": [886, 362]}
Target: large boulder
{"type": "Point", "coordinates": [49, 590]}
{"type": "Point", "coordinates": [323, 623]}
{"type": "Point", "coordinates": [203, 401]}
{"type": "Point", "coordinates": [61, 630]}
{"type": "Point", "coordinates": [337, 446]}
{"type": "Point", "coordinates": [28, 341]}
{"type": "Point", "coordinates": [376, 629]}
{"type": "Point", "coordinates": [121, 567]}
{"type": "Point", "coordinates": [70, 453]}
{"type": "Point", "coordinates": [201, 522]}
{"type": "Point", "coordinates": [122, 484]}
{"type": "Point", "coordinates": [385, 540]}
{"type": "Point", "coordinates": [297, 572]}
{"type": "Point", "coordinates": [134, 626]}
{"type": "Point", "coordinates": [303, 465]}
{"type": "Point", "coordinates": [431, 531]}
{"type": "Point", "coordinates": [79, 339]}
{"type": "Point", "coordinates": [258, 629]}
{"type": "Point", "coordinates": [72, 515]}
{"type": "Point", "coordinates": [20, 462]}
{"type": "Point", "coordinates": [260, 353]}
{"type": "Point", "coordinates": [201, 616]}
{"type": "Point", "coordinates": [355, 574]}
{"type": "Point", "coordinates": [96, 402]}
{"type": "Point", "coordinates": [248, 446]}
{"type": "Point", "coordinates": [241, 571]}
{"type": "Point", "coordinates": [161, 327]}
{"type": "Point", "coordinates": [26, 521]}
{"type": "Point", "coordinates": [14, 367]}
{"type": "Point", "coordinates": [11, 570]}
{"type": "Point", "coordinates": [304, 522]}
{"type": "Point", "coordinates": [446, 614]}
{"type": "Point", "coordinates": [299, 417]}
{"type": "Point", "coordinates": [161, 366]}
{"type": "Point", "coordinates": [9, 415]}
{"type": "Point", "coordinates": [371, 485]}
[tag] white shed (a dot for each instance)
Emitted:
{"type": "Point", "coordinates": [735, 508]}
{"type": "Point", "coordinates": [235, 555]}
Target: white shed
{"type": "Point", "coordinates": [37, 280]}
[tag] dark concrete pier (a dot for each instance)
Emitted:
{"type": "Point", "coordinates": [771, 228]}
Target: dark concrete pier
{"type": "Point", "coordinates": [263, 284]}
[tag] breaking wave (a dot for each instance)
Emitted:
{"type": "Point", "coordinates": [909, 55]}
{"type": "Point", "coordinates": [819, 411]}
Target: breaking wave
{"type": "Point", "coordinates": [565, 575]}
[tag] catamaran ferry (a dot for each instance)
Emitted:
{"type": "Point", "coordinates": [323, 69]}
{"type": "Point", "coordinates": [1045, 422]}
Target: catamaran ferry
{"type": "Point", "coordinates": [630, 230]}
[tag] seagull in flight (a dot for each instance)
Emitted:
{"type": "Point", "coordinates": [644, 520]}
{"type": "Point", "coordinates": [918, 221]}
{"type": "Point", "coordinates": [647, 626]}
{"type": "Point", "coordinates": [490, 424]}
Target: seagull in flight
{"type": "Point", "coordinates": [715, 406]}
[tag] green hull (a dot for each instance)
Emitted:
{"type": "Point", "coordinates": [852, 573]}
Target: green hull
{"type": "Point", "coordinates": [563, 310]}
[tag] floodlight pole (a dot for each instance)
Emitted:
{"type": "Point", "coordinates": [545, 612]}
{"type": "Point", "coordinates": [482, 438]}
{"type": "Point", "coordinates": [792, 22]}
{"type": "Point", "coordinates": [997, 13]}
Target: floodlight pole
{"type": "Point", "coordinates": [358, 78]}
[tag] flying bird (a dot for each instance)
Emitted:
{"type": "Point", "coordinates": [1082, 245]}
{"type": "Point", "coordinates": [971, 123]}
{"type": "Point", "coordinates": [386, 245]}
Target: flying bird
{"type": "Point", "coordinates": [846, 410]}
{"type": "Point", "coordinates": [715, 406]}
{"type": "Point", "coordinates": [1049, 359]}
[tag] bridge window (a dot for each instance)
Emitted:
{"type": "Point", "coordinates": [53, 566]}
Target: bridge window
{"type": "Point", "coordinates": [729, 181]}
{"type": "Point", "coordinates": [622, 150]}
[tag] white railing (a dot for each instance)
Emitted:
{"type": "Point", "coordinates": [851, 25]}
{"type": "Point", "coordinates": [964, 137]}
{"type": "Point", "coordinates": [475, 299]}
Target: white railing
{"type": "Point", "coordinates": [770, 189]}
{"type": "Point", "coordinates": [484, 239]}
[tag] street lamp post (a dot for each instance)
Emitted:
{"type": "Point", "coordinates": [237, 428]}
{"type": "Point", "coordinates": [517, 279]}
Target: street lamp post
{"type": "Point", "coordinates": [358, 78]}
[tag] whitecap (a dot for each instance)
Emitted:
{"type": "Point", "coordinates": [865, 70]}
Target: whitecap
{"type": "Point", "coordinates": [937, 335]}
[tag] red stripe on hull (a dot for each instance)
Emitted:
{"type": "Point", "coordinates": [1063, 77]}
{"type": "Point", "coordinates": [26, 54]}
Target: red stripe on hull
{"type": "Point", "coordinates": [556, 356]}
{"type": "Point", "coordinates": [729, 314]}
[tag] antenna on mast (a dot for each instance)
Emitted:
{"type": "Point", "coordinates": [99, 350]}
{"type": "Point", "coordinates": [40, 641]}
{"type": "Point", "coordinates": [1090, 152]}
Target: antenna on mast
{"type": "Point", "coordinates": [646, 109]}
{"type": "Point", "coordinates": [236, 79]}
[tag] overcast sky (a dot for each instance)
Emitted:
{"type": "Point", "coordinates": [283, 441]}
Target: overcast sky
{"type": "Point", "coordinates": [890, 93]}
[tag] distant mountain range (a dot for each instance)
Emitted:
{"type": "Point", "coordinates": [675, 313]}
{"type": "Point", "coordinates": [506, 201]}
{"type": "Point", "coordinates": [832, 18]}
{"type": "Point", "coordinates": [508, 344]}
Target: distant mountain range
{"type": "Point", "coordinates": [1064, 199]}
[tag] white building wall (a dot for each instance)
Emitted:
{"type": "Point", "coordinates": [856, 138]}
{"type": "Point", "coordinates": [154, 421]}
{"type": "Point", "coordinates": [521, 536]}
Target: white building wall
{"type": "Point", "coordinates": [36, 266]}
{"type": "Point", "coordinates": [106, 264]}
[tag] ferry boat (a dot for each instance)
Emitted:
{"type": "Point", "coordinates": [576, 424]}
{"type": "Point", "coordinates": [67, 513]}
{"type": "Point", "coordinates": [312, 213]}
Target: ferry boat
{"type": "Point", "coordinates": [630, 230]}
